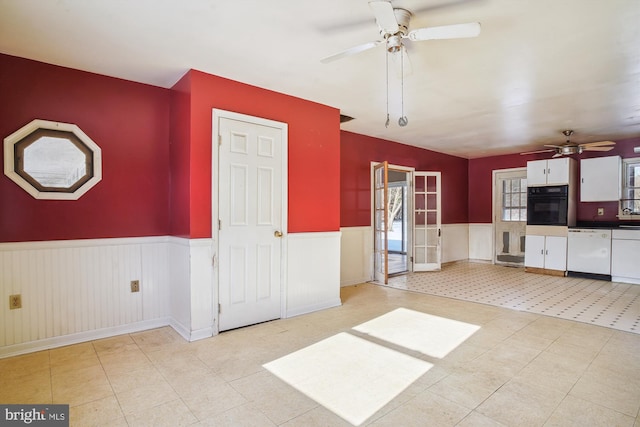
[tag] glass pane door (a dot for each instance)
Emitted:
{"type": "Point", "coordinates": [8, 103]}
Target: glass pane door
{"type": "Point", "coordinates": [380, 222]}
{"type": "Point", "coordinates": [427, 248]}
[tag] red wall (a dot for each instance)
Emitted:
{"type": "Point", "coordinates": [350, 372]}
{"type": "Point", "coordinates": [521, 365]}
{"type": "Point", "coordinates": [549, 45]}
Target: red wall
{"type": "Point", "coordinates": [357, 153]}
{"type": "Point", "coordinates": [130, 123]}
{"type": "Point", "coordinates": [481, 186]}
{"type": "Point", "coordinates": [313, 151]}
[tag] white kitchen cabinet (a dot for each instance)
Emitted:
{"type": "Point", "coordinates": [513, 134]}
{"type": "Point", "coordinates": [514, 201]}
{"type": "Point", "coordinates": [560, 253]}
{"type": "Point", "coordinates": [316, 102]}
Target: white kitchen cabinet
{"type": "Point", "coordinates": [547, 252]}
{"type": "Point", "coordinates": [600, 179]}
{"type": "Point", "coordinates": [625, 253]}
{"type": "Point", "coordinates": [551, 172]}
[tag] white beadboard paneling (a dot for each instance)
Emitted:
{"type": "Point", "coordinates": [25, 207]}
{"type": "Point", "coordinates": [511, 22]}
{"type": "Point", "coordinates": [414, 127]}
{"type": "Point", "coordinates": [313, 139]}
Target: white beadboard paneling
{"type": "Point", "coordinates": [455, 242]}
{"type": "Point", "coordinates": [481, 242]}
{"type": "Point", "coordinates": [202, 301]}
{"type": "Point", "coordinates": [356, 249]}
{"type": "Point", "coordinates": [191, 294]}
{"type": "Point", "coordinates": [180, 290]}
{"type": "Point", "coordinates": [70, 288]}
{"type": "Point", "coordinates": [313, 272]}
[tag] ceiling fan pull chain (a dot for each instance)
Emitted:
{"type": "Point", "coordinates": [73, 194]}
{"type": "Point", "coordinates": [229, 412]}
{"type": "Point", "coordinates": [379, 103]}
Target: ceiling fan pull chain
{"type": "Point", "coordinates": [386, 124]}
{"type": "Point", "coordinates": [402, 121]}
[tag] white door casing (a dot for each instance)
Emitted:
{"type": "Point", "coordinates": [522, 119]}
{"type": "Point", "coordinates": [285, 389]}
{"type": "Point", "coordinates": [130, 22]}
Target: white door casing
{"type": "Point", "coordinates": [249, 218]}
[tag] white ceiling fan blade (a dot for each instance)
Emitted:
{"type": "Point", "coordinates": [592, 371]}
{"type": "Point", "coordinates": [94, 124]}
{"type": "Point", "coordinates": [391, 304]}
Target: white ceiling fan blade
{"type": "Point", "coordinates": [385, 18]}
{"type": "Point", "coordinates": [456, 31]}
{"type": "Point", "coordinates": [598, 143]}
{"type": "Point", "coordinates": [536, 152]}
{"type": "Point", "coordinates": [351, 51]}
{"type": "Point", "coordinates": [592, 148]}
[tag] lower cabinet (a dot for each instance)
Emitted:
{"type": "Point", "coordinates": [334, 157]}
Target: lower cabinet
{"type": "Point", "coordinates": [625, 253]}
{"type": "Point", "coordinates": [546, 252]}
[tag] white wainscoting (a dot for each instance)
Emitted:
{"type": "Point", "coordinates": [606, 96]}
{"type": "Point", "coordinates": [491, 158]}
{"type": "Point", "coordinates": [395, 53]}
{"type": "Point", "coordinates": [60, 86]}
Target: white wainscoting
{"type": "Point", "coordinates": [313, 272]}
{"type": "Point", "coordinates": [455, 242]}
{"type": "Point", "coordinates": [481, 242]}
{"type": "Point", "coordinates": [356, 250]}
{"type": "Point", "coordinates": [191, 292]}
{"type": "Point", "coordinates": [356, 255]}
{"type": "Point", "coordinates": [78, 290]}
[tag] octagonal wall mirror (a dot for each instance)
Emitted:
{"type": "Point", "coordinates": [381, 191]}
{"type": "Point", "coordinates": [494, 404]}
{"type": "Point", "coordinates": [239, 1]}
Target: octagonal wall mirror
{"type": "Point", "coordinates": [52, 160]}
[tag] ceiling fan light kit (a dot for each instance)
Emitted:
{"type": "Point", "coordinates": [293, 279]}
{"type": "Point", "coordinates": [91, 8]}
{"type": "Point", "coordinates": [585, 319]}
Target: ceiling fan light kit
{"type": "Point", "coordinates": [393, 24]}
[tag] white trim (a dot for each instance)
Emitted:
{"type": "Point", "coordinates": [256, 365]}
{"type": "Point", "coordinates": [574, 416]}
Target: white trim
{"type": "Point", "coordinates": [48, 343]}
{"type": "Point", "coordinates": [216, 115]}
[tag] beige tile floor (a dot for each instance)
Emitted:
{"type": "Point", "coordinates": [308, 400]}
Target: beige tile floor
{"type": "Point", "coordinates": [518, 369]}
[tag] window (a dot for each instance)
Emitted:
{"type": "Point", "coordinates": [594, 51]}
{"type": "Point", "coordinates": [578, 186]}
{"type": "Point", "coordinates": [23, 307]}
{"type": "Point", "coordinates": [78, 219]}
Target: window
{"type": "Point", "coordinates": [514, 199]}
{"type": "Point", "coordinates": [630, 202]}
{"type": "Point", "coordinates": [51, 160]}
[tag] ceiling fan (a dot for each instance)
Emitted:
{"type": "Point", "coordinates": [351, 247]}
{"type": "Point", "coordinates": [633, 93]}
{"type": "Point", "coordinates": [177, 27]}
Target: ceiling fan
{"type": "Point", "coordinates": [571, 148]}
{"type": "Point", "coordinates": [394, 27]}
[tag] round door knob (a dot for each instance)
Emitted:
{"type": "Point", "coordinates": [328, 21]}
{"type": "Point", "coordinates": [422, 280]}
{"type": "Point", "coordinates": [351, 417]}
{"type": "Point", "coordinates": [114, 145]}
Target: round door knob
{"type": "Point", "coordinates": [277, 233]}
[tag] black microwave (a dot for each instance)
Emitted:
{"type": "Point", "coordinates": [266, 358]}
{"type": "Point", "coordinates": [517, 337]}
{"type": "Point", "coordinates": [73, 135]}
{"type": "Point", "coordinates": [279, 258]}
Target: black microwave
{"type": "Point", "coordinates": [548, 205]}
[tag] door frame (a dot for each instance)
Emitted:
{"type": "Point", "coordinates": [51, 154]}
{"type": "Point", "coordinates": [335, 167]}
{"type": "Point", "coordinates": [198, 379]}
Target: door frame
{"type": "Point", "coordinates": [410, 170]}
{"type": "Point", "coordinates": [494, 214]}
{"type": "Point", "coordinates": [216, 115]}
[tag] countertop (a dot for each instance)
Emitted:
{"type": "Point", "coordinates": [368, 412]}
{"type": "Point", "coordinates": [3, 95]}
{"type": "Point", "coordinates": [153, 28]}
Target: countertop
{"type": "Point", "coordinates": [628, 225]}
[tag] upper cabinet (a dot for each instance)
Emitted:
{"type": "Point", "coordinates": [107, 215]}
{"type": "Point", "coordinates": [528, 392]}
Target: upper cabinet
{"type": "Point", "coordinates": [600, 179]}
{"type": "Point", "coordinates": [550, 172]}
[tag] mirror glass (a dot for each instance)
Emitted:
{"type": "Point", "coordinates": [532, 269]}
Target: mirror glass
{"type": "Point", "coordinates": [54, 162]}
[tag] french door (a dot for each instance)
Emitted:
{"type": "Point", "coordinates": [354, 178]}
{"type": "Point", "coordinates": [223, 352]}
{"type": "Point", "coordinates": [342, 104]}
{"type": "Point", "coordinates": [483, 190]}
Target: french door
{"type": "Point", "coordinates": [380, 222]}
{"type": "Point", "coordinates": [423, 225]}
{"type": "Point", "coordinates": [427, 234]}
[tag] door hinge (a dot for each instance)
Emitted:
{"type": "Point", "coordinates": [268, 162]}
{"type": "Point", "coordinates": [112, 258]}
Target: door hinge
{"type": "Point", "coordinates": [219, 224]}
{"type": "Point", "coordinates": [213, 261]}
{"type": "Point", "coordinates": [411, 258]}
{"type": "Point", "coordinates": [219, 308]}
{"type": "Point", "coordinates": [219, 139]}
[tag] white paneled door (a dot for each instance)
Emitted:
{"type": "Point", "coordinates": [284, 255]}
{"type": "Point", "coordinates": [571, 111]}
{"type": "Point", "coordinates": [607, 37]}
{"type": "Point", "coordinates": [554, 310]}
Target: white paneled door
{"type": "Point", "coordinates": [251, 225]}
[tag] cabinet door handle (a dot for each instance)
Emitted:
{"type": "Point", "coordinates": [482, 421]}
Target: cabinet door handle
{"type": "Point", "coordinates": [541, 251]}
{"type": "Point", "coordinates": [546, 252]}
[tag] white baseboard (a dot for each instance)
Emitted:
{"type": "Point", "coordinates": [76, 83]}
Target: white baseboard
{"type": "Point", "coordinates": [61, 341]}
{"type": "Point", "coordinates": [315, 307]}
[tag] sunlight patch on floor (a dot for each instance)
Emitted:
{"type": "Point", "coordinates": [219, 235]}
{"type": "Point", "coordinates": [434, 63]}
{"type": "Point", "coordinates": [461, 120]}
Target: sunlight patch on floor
{"type": "Point", "coordinates": [430, 335]}
{"type": "Point", "coordinates": [354, 377]}
{"type": "Point", "coordinates": [348, 375]}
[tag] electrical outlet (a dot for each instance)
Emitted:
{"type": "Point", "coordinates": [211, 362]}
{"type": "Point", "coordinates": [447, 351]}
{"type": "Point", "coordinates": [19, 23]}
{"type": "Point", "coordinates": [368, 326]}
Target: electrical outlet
{"type": "Point", "coordinates": [135, 286]}
{"type": "Point", "coordinates": [600, 211]}
{"type": "Point", "coordinates": [15, 301]}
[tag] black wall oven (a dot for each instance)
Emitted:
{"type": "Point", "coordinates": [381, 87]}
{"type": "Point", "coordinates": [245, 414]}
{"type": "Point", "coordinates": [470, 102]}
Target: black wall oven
{"type": "Point", "coordinates": [548, 205]}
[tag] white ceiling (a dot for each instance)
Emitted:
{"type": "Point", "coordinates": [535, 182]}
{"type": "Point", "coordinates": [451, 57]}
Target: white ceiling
{"type": "Point", "coordinates": [538, 67]}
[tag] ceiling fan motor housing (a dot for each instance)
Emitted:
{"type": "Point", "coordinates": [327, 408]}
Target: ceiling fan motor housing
{"type": "Point", "coordinates": [394, 41]}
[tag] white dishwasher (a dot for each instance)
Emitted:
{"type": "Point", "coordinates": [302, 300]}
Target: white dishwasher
{"type": "Point", "coordinates": [589, 253]}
